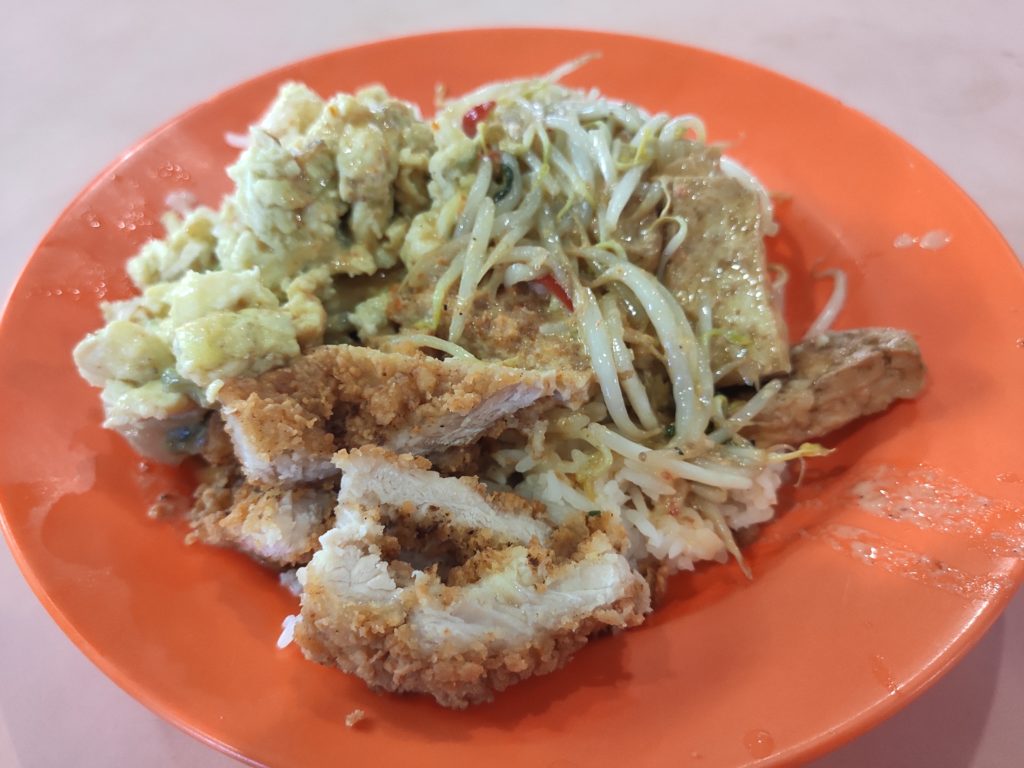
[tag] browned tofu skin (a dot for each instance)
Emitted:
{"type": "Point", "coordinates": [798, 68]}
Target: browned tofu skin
{"type": "Point", "coordinates": [722, 260]}
{"type": "Point", "coordinates": [837, 378]}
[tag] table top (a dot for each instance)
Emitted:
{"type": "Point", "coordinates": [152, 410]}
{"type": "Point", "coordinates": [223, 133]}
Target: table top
{"type": "Point", "coordinates": [83, 81]}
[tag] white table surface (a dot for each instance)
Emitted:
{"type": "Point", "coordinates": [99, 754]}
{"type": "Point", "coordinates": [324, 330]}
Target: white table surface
{"type": "Point", "coordinates": [81, 81]}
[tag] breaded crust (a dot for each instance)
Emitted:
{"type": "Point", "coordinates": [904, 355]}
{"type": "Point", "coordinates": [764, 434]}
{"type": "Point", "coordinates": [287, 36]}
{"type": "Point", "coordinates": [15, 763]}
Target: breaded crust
{"type": "Point", "coordinates": [499, 600]}
{"type": "Point", "coordinates": [403, 487]}
{"type": "Point", "coordinates": [287, 423]}
{"type": "Point", "coordinates": [393, 646]}
{"type": "Point", "coordinates": [279, 527]}
{"type": "Point", "coordinates": [505, 327]}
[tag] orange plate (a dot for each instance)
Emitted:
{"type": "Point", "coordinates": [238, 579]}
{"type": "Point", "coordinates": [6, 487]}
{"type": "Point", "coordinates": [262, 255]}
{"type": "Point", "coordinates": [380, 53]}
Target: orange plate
{"type": "Point", "coordinates": [838, 629]}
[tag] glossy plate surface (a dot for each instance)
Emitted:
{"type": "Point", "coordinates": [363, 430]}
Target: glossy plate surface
{"type": "Point", "coordinates": [858, 600]}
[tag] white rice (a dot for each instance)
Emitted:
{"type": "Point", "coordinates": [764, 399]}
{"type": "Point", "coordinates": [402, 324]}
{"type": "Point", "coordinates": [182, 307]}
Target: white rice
{"type": "Point", "coordinates": [181, 201]}
{"type": "Point", "coordinates": [236, 140]}
{"type": "Point", "coordinates": [354, 717]}
{"type": "Point", "coordinates": [757, 503]}
{"type": "Point", "coordinates": [655, 507]}
{"type": "Point", "coordinates": [290, 581]}
{"type": "Point", "coordinates": [288, 631]}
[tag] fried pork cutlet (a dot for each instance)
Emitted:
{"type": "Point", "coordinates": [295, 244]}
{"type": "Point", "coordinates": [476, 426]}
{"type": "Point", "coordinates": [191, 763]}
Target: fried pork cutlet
{"type": "Point", "coordinates": [837, 378]}
{"type": "Point", "coordinates": [287, 424]}
{"type": "Point", "coordinates": [432, 585]}
{"type": "Point", "coordinates": [276, 526]}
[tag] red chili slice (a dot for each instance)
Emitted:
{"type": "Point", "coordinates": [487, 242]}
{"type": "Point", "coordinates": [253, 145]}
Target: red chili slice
{"type": "Point", "coordinates": [549, 282]}
{"type": "Point", "coordinates": [474, 116]}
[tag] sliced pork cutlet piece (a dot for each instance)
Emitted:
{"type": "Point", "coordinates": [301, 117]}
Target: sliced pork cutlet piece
{"type": "Point", "coordinates": [287, 424]}
{"type": "Point", "coordinates": [837, 378]}
{"type": "Point", "coordinates": [279, 527]}
{"type": "Point", "coordinates": [722, 262]}
{"type": "Point", "coordinates": [432, 585]}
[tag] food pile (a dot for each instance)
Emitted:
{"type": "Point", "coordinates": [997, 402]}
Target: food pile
{"type": "Point", "coordinates": [486, 381]}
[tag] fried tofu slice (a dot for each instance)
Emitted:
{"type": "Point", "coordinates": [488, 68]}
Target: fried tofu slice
{"type": "Point", "coordinates": [722, 262]}
{"type": "Point", "coordinates": [432, 585]}
{"type": "Point", "coordinates": [287, 424]}
{"type": "Point", "coordinates": [837, 378]}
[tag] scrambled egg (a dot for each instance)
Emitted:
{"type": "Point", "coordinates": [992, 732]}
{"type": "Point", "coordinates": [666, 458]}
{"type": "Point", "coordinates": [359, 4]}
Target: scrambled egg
{"type": "Point", "coordinates": [325, 191]}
